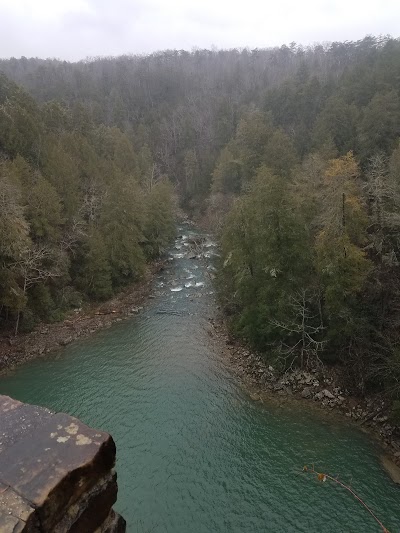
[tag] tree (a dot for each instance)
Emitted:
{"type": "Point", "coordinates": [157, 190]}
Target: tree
{"type": "Point", "coordinates": [21, 131]}
{"type": "Point", "coordinates": [61, 169]}
{"type": "Point", "coordinates": [280, 154]}
{"type": "Point", "coordinates": [159, 223]}
{"type": "Point", "coordinates": [303, 330]}
{"type": "Point", "coordinates": [44, 211]}
{"type": "Point", "coordinates": [379, 128]}
{"type": "Point", "coordinates": [192, 171]}
{"type": "Point", "coordinates": [341, 261]}
{"type": "Point", "coordinates": [342, 209]}
{"type": "Point", "coordinates": [307, 189]}
{"type": "Point", "coordinates": [14, 230]}
{"type": "Point", "coordinates": [227, 172]}
{"type": "Point", "coordinates": [121, 224]}
{"type": "Point", "coordinates": [14, 241]}
{"type": "Point", "coordinates": [36, 264]}
{"type": "Point", "coordinates": [337, 122]}
{"type": "Point", "coordinates": [382, 193]}
{"type": "Point", "coordinates": [266, 259]}
{"type": "Point", "coordinates": [93, 271]}
{"type": "Point", "coordinates": [252, 134]}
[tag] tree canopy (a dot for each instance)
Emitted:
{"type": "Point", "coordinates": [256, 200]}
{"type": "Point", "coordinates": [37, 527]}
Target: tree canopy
{"type": "Point", "coordinates": [77, 220]}
{"type": "Point", "coordinates": [293, 152]}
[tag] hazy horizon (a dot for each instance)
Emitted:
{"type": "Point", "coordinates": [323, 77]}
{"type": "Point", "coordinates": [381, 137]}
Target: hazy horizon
{"type": "Point", "coordinates": [80, 29]}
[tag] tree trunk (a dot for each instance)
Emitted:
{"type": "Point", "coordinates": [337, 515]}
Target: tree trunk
{"type": "Point", "coordinates": [19, 312]}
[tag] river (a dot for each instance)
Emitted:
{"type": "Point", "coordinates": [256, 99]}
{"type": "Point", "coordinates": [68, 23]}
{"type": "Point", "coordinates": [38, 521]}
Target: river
{"type": "Point", "coordinates": [195, 454]}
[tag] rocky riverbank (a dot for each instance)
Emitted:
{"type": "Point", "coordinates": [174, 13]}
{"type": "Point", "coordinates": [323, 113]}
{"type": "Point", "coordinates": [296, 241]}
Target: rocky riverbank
{"type": "Point", "coordinates": [326, 389]}
{"type": "Point", "coordinates": [323, 388]}
{"type": "Point", "coordinates": [79, 323]}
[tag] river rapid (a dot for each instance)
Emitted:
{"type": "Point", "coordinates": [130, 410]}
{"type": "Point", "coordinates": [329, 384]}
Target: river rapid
{"type": "Point", "coordinates": [195, 453]}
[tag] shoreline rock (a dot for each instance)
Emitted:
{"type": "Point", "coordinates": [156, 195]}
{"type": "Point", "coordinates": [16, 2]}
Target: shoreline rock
{"type": "Point", "coordinates": [79, 323]}
{"type": "Point", "coordinates": [391, 468]}
{"type": "Point", "coordinates": [324, 390]}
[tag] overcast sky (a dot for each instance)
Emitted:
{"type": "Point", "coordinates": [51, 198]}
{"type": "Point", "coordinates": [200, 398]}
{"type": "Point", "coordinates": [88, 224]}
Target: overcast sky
{"type": "Point", "coordinates": [75, 29]}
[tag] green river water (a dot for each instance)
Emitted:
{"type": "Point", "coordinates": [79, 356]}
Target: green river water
{"type": "Point", "coordinates": [195, 454]}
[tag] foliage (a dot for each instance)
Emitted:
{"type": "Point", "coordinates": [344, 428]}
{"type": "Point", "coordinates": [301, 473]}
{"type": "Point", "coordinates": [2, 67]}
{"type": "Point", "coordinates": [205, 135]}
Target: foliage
{"type": "Point", "coordinates": [265, 260]}
{"type": "Point", "coordinates": [73, 209]}
{"type": "Point", "coordinates": [308, 265]}
{"type": "Point", "coordinates": [293, 152]}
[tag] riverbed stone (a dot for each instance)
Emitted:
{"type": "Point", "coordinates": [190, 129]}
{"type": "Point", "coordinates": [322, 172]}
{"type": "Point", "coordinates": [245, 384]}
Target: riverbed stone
{"type": "Point", "coordinates": [328, 394]}
{"type": "Point", "coordinates": [255, 397]}
{"type": "Point", "coordinates": [391, 468]}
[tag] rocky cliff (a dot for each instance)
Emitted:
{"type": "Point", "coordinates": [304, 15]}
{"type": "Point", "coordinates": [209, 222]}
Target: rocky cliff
{"type": "Point", "coordinates": [56, 474]}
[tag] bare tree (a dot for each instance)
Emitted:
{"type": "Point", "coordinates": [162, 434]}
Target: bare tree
{"type": "Point", "coordinates": [36, 264]}
{"type": "Point", "coordinates": [92, 201]}
{"type": "Point", "coordinates": [303, 329]}
{"type": "Point", "coordinates": [383, 197]}
{"type": "Point", "coordinates": [72, 235]}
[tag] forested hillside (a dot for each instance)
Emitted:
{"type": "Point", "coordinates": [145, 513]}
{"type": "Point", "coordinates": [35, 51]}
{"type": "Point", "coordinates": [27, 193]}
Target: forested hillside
{"type": "Point", "coordinates": [182, 108]}
{"type": "Point", "coordinates": [79, 217]}
{"type": "Point", "coordinates": [292, 153]}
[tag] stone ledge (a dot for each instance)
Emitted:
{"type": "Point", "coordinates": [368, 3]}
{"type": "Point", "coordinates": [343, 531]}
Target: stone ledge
{"type": "Point", "coordinates": [56, 473]}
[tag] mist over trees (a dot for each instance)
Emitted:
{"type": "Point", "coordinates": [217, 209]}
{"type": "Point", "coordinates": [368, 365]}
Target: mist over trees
{"type": "Point", "coordinates": [182, 108]}
{"type": "Point", "coordinates": [291, 153]}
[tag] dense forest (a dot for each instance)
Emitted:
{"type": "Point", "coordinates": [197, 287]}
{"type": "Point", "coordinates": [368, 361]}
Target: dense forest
{"type": "Point", "coordinates": [79, 213]}
{"type": "Point", "coordinates": [292, 154]}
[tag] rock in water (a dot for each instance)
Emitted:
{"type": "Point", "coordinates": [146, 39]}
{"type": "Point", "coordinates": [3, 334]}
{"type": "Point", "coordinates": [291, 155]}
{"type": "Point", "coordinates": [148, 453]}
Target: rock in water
{"type": "Point", "coordinates": [391, 468]}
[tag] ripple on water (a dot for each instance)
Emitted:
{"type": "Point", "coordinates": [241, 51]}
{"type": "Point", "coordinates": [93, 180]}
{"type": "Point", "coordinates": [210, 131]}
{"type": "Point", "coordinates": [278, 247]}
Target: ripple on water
{"type": "Point", "coordinates": [194, 453]}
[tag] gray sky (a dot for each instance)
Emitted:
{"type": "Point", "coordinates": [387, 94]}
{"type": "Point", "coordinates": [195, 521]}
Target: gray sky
{"type": "Point", "coordinates": [75, 29]}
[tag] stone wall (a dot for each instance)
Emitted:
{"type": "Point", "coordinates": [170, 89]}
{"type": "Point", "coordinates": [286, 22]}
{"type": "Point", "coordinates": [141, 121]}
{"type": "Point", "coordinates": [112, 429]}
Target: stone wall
{"type": "Point", "coordinates": [56, 474]}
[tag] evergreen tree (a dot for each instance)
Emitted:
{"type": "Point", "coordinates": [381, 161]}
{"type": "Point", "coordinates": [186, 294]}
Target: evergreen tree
{"type": "Point", "coordinates": [265, 259]}
{"type": "Point", "coordinates": [93, 271]}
